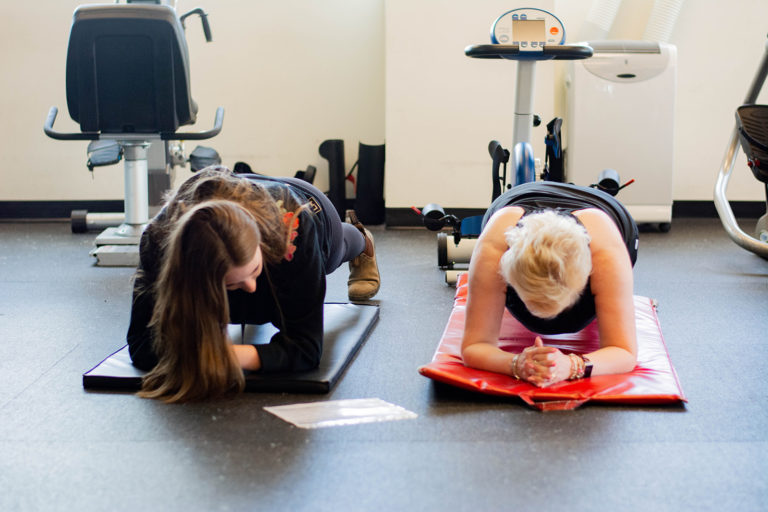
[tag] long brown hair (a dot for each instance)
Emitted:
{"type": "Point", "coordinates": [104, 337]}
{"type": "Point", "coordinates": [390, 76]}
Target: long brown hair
{"type": "Point", "coordinates": [218, 182]}
{"type": "Point", "coordinates": [214, 222]}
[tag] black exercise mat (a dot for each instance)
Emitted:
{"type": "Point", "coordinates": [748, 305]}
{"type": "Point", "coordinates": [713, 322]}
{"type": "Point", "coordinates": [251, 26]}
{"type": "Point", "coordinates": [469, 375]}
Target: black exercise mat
{"type": "Point", "coordinates": [346, 328]}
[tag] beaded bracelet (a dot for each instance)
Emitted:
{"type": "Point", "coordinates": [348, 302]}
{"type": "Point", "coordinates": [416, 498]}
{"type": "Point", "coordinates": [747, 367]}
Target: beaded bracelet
{"type": "Point", "coordinates": [514, 366]}
{"type": "Point", "coordinates": [574, 367]}
{"type": "Point", "coordinates": [577, 367]}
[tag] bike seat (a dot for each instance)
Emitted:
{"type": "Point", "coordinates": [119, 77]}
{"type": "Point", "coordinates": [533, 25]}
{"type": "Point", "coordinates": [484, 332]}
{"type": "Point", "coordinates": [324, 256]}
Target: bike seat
{"type": "Point", "coordinates": [752, 123]}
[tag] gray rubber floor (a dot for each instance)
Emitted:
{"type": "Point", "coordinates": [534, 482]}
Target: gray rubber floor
{"type": "Point", "coordinates": [62, 448]}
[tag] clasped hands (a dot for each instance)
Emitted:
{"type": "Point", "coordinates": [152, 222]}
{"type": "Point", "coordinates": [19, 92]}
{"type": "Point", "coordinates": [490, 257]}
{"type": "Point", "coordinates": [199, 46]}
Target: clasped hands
{"type": "Point", "coordinates": [541, 365]}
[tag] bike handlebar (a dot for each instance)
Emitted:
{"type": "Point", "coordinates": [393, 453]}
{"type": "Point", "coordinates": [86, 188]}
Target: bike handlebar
{"type": "Point", "coordinates": [512, 52]}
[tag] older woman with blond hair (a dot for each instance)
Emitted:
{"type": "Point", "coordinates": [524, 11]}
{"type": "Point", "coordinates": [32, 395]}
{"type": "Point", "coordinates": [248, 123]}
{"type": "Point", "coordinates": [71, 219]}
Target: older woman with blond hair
{"type": "Point", "coordinates": [556, 256]}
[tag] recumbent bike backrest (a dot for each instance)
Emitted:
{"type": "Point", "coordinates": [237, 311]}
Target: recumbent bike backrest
{"type": "Point", "coordinates": [128, 70]}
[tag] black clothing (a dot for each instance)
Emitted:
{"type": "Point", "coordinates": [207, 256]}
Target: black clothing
{"type": "Point", "coordinates": [567, 199]}
{"type": "Point", "coordinates": [289, 294]}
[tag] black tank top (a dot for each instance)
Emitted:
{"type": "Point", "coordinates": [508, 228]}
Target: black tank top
{"type": "Point", "coordinates": [567, 199]}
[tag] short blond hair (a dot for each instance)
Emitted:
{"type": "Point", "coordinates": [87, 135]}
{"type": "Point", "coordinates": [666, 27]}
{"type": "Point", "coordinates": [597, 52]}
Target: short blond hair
{"type": "Point", "coordinates": [548, 261]}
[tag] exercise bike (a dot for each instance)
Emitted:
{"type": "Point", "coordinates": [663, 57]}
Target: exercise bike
{"type": "Point", "coordinates": [127, 82]}
{"type": "Point", "coordinates": [526, 36]}
{"type": "Point", "coordinates": [751, 132]}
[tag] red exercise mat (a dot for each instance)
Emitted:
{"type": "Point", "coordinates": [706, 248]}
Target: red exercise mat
{"type": "Point", "coordinates": [653, 381]}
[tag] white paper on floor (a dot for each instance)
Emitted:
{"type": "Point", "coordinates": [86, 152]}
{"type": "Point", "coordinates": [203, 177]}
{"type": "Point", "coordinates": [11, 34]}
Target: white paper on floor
{"type": "Point", "coordinates": [333, 413]}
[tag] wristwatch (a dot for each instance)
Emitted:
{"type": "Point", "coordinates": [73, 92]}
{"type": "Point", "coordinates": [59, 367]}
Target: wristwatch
{"type": "Point", "coordinates": [587, 367]}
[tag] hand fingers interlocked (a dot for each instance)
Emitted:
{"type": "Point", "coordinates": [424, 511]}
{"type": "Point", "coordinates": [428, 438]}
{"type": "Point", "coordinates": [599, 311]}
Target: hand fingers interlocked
{"type": "Point", "coordinates": [539, 364]}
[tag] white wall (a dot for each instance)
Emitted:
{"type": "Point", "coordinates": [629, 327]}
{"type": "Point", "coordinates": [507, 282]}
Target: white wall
{"type": "Point", "coordinates": [289, 73]}
{"type": "Point", "coordinates": [719, 47]}
{"type": "Point", "coordinates": [296, 72]}
{"type": "Point", "coordinates": [443, 108]}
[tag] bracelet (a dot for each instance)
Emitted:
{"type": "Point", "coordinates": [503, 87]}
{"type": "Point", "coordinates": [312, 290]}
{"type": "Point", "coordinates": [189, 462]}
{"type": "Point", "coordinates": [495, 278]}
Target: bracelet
{"type": "Point", "coordinates": [578, 367]}
{"type": "Point", "coordinates": [574, 367]}
{"type": "Point", "coordinates": [514, 366]}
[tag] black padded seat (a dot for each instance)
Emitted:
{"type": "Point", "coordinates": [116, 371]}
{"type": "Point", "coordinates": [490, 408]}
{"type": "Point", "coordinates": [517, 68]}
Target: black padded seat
{"type": "Point", "coordinates": [752, 123]}
{"type": "Point", "coordinates": [128, 70]}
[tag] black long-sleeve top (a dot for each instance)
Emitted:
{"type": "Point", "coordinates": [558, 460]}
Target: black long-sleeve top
{"type": "Point", "coordinates": [288, 295]}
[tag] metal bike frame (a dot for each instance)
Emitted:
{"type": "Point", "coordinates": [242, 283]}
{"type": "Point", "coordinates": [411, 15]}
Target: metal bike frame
{"type": "Point", "coordinates": [721, 202]}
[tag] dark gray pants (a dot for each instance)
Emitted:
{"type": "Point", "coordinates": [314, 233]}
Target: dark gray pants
{"type": "Point", "coordinates": [347, 242]}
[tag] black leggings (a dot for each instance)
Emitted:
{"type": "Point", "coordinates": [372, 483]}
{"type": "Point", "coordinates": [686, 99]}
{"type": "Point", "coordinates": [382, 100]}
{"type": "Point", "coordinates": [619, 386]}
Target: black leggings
{"type": "Point", "coordinates": [567, 197]}
{"type": "Point", "coordinates": [347, 242]}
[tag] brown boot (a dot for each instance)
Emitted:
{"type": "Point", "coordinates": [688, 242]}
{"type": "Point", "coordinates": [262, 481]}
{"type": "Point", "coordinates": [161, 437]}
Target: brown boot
{"type": "Point", "coordinates": [364, 280]}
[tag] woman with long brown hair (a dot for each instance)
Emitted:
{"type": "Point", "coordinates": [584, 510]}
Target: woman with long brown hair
{"type": "Point", "coordinates": [244, 249]}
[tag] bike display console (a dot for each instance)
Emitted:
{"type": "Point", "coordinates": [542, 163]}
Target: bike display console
{"type": "Point", "coordinates": [530, 29]}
